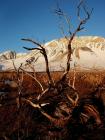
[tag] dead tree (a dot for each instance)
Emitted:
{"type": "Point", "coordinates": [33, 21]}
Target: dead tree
{"type": "Point", "coordinates": [82, 21]}
{"type": "Point", "coordinates": [60, 93]}
{"type": "Point", "coordinates": [19, 83]}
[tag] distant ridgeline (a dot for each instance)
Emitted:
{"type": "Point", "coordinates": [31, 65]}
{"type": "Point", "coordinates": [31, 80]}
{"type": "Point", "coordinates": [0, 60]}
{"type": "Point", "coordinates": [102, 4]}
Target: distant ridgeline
{"type": "Point", "coordinates": [88, 52]}
{"type": "Point", "coordinates": [7, 55]}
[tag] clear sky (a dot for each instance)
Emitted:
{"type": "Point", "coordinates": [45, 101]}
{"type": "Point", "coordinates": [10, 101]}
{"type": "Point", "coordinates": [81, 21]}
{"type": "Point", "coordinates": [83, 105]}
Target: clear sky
{"type": "Point", "coordinates": [36, 19]}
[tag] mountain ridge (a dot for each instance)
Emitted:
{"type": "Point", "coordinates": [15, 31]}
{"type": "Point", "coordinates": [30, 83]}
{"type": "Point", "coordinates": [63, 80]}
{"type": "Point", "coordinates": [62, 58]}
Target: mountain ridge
{"type": "Point", "coordinates": [88, 52]}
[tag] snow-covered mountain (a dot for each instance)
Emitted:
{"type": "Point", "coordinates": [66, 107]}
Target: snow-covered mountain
{"type": "Point", "coordinates": [88, 52]}
{"type": "Point", "coordinates": [7, 55]}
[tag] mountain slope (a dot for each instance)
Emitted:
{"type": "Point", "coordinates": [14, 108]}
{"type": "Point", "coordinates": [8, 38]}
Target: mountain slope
{"type": "Point", "coordinates": [88, 53]}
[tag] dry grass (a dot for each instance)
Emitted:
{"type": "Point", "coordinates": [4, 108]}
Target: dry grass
{"type": "Point", "coordinates": [28, 124]}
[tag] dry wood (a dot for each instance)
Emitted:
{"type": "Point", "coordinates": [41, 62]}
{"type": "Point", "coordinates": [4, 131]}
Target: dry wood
{"type": "Point", "coordinates": [43, 52]}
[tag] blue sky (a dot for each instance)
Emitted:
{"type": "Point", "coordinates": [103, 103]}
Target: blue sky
{"type": "Point", "coordinates": [36, 19]}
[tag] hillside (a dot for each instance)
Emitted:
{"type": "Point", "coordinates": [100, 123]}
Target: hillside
{"type": "Point", "coordinates": [88, 53]}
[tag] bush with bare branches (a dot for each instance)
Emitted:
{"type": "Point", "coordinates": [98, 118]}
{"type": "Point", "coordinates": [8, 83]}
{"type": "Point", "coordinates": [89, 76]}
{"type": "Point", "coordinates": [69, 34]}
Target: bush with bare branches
{"type": "Point", "coordinates": [59, 103]}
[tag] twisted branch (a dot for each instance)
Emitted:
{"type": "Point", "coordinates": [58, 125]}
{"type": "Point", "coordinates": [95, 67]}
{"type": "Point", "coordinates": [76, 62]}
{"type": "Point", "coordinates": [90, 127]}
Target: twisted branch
{"type": "Point", "coordinates": [43, 52]}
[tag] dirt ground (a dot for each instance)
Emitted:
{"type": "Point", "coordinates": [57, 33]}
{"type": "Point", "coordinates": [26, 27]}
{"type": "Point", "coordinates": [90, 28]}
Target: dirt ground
{"type": "Point", "coordinates": [29, 124]}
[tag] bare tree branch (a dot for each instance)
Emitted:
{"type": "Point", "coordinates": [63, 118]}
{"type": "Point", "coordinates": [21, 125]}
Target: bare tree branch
{"type": "Point", "coordinates": [60, 122]}
{"type": "Point", "coordinates": [33, 77]}
{"type": "Point", "coordinates": [29, 49]}
{"type": "Point", "coordinates": [60, 12]}
{"type": "Point", "coordinates": [92, 111]}
{"type": "Point", "coordinates": [74, 77]}
{"type": "Point", "coordinates": [40, 95]}
{"type": "Point", "coordinates": [74, 102]}
{"type": "Point", "coordinates": [43, 52]}
{"type": "Point", "coordinates": [19, 83]}
{"type": "Point", "coordinates": [63, 33]}
{"type": "Point", "coordinates": [31, 103]}
{"type": "Point", "coordinates": [32, 41]}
